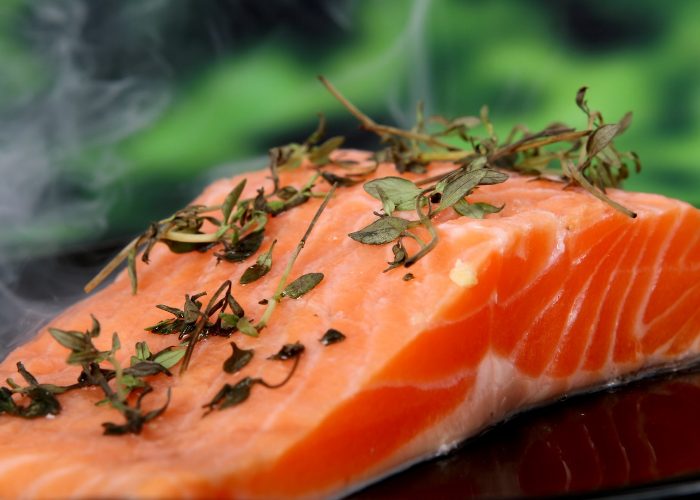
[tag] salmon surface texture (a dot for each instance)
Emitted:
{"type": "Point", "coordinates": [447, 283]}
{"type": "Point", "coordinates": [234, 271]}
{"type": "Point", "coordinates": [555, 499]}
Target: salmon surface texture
{"type": "Point", "coordinates": [556, 293]}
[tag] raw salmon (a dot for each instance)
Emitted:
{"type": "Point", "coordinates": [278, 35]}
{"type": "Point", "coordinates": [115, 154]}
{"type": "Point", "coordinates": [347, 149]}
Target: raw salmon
{"type": "Point", "coordinates": [556, 293]}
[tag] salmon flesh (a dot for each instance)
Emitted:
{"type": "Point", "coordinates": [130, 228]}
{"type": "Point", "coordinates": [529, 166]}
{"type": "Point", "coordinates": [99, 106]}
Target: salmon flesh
{"type": "Point", "coordinates": [555, 294]}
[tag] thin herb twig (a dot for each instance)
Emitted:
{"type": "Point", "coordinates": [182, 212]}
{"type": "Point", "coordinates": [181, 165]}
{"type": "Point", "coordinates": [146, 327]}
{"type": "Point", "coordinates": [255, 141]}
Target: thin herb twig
{"type": "Point", "coordinates": [277, 296]}
{"type": "Point", "coordinates": [370, 124]}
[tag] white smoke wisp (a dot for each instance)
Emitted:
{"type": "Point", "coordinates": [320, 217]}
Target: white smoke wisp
{"type": "Point", "coordinates": [90, 101]}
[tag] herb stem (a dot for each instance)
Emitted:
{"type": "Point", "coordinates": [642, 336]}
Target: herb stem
{"type": "Point", "coordinates": [425, 220]}
{"type": "Point", "coordinates": [286, 379]}
{"type": "Point", "coordinates": [370, 124]}
{"type": "Point", "coordinates": [272, 304]}
{"type": "Point", "coordinates": [111, 265]}
{"type": "Point", "coordinates": [581, 179]}
{"type": "Point", "coordinates": [190, 237]}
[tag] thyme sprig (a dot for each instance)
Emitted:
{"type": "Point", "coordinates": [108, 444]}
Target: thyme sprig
{"type": "Point", "coordinates": [125, 394]}
{"type": "Point", "coordinates": [303, 284]}
{"type": "Point", "coordinates": [233, 395]}
{"type": "Point", "coordinates": [481, 160]}
{"type": "Point", "coordinates": [237, 224]}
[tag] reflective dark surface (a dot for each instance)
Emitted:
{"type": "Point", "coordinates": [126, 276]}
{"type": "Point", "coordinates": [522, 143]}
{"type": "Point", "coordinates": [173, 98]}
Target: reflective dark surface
{"type": "Point", "coordinates": [641, 441]}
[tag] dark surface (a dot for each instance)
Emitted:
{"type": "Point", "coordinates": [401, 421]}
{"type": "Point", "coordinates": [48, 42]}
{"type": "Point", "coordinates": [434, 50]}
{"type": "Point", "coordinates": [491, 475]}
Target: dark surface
{"type": "Point", "coordinates": [640, 441]}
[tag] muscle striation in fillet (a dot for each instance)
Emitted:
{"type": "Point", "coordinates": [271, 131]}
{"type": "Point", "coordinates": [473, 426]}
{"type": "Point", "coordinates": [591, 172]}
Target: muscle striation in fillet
{"type": "Point", "coordinates": [556, 293]}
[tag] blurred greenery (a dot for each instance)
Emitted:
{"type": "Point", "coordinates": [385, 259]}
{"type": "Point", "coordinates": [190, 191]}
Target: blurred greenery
{"type": "Point", "coordinates": [242, 79]}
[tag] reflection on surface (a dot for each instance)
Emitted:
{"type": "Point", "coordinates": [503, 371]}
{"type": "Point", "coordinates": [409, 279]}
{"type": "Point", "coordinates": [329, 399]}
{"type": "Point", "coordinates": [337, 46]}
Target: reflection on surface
{"type": "Point", "coordinates": [645, 433]}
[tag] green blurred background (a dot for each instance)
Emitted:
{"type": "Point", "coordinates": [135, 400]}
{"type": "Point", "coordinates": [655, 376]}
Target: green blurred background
{"type": "Point", "coordinates": [116, 113]}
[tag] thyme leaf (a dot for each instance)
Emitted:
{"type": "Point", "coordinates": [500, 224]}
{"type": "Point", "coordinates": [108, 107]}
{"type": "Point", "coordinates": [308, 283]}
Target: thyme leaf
{"type": "Point", "coordinates": [401, 192]}
{"type": "Point", "coordinates": [302, 285]}
{"type": "Point", "coordinates": [233, 395]}
{"type": "Point", "coordinates": [238, 359]}
{"type": "Point", "coordinates": [288, 351]}
{"type": "Point", "coordinates": [332, 336]}
{"type": "Point", "coordinates": [383, 230]}
{"type": "Point", "coordinates": [475, 210]}
{"type": "Point", "coordinates": [260, 268]}
{"type": "Point", "coordinates": [242, 249]}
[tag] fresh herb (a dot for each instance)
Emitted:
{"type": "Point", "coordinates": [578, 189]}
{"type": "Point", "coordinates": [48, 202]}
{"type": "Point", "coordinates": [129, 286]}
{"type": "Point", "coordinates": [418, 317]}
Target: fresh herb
{"type": "Point", "coordinates": [289, 351]}
{"type": "Point", "coordinates": [116, 382]}
{"type": "Point", "coordinates": [42, 397]}
{"type": "Point", "coordinates": [307, 283]}
{"type": "Point", "coordinates": [237, 224]}
{"type": "Point", "coordinates": [260, 268]}
{"type": "Point", "coordinates": [233, 395]}
{"type": "Point", "coordinates": [481, 160]}
{"type": "Point", "coordinates": [238, 359]}
{"type": "Point", "coordinates": [302, 285]}
{"type": "Point", "coordinates": [222, 316]}
{"type": "Point", "coordinates": [332, 336]}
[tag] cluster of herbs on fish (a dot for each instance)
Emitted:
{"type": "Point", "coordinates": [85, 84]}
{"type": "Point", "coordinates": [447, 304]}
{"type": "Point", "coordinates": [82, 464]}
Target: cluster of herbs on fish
{"type": "Point", "coordinates": [124, 388]}
{"type": "Point", "coordinates": [558, 153]}
{"type": "Point", "coordinates": [586, 158]}
{"type": "Point", "coordinates": [222, 316]}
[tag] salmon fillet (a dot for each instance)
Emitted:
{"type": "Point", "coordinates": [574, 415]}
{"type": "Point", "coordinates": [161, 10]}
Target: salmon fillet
{"type": "Point", "coordinates": [556, 293]}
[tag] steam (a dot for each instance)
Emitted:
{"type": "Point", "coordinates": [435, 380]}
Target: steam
{"type": "Point", "coordinates": [100, 76]}
{"type": "Point", "coordinates": [88, 101]}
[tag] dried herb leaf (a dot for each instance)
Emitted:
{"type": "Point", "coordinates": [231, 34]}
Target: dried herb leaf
{"type": "Point", "coordinates": [332, 336]}
{"type": "Point", "coordinates": [401, 192]}
{"type": "Point", "coordinates": [238, 359]}
{"type": "Point", "coordinates": [458, 186]}
{"type": "Point", "coordinates": [382, 231]}
{"type": "Point", "coordinates": [135, 419]}
{"type": "Point", "coordinates": [339, 180]}
{"type": "Point", "coordinates": [475, 210]}
{"type": "Point", "coordinates": [408, 277]}
{"type": "Point", "coordinates": [146, 368]}
{"type": "Point", "coordinates": [244, 248]}
{"type": "Point", "coordinates": [288, 351]}
{"type": "Point", "coordinates": [601, 138]}
{"type": "Point", "coordinates": [400, 256]}
{"type": "Point", "coordinates": [302, 285]}
{"type": "Point", "coordinates": [231, 395]}
{"type": "Point", "coordinates": [260, 268]}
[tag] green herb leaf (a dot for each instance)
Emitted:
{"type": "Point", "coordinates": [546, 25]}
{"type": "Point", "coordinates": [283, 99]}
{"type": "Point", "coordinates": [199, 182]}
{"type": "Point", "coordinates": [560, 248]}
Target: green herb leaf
{"type": "Point", "coordinates": [319, 155]}
{"type": "Point", "coordinates": [460, 185]}
{"type": "Point", "coordinates": [302, 285]}
{"type": "Point", "coordinates": [231, 200]}
{"type": "Point", "coordinates": [169, 357]}
{"type": "Point", "coordinates": [238, 359]}
{"type": "Point", "coordinates": [332, 336]}
{"type": "Point", "coordinates": [142, 351]}
{"type": "Point", "coordinates": [400, 191]}
{"type": "Point", "coordinates": [245, 327]}
{"type": "Point", "coordinates": [229, 321]}
{"type": "Point", "coordinates": [408, 277]}
{"type": "Point", "coordinates": [382, 231]}
{"type": "Point", "coordinates": [260, 268]}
